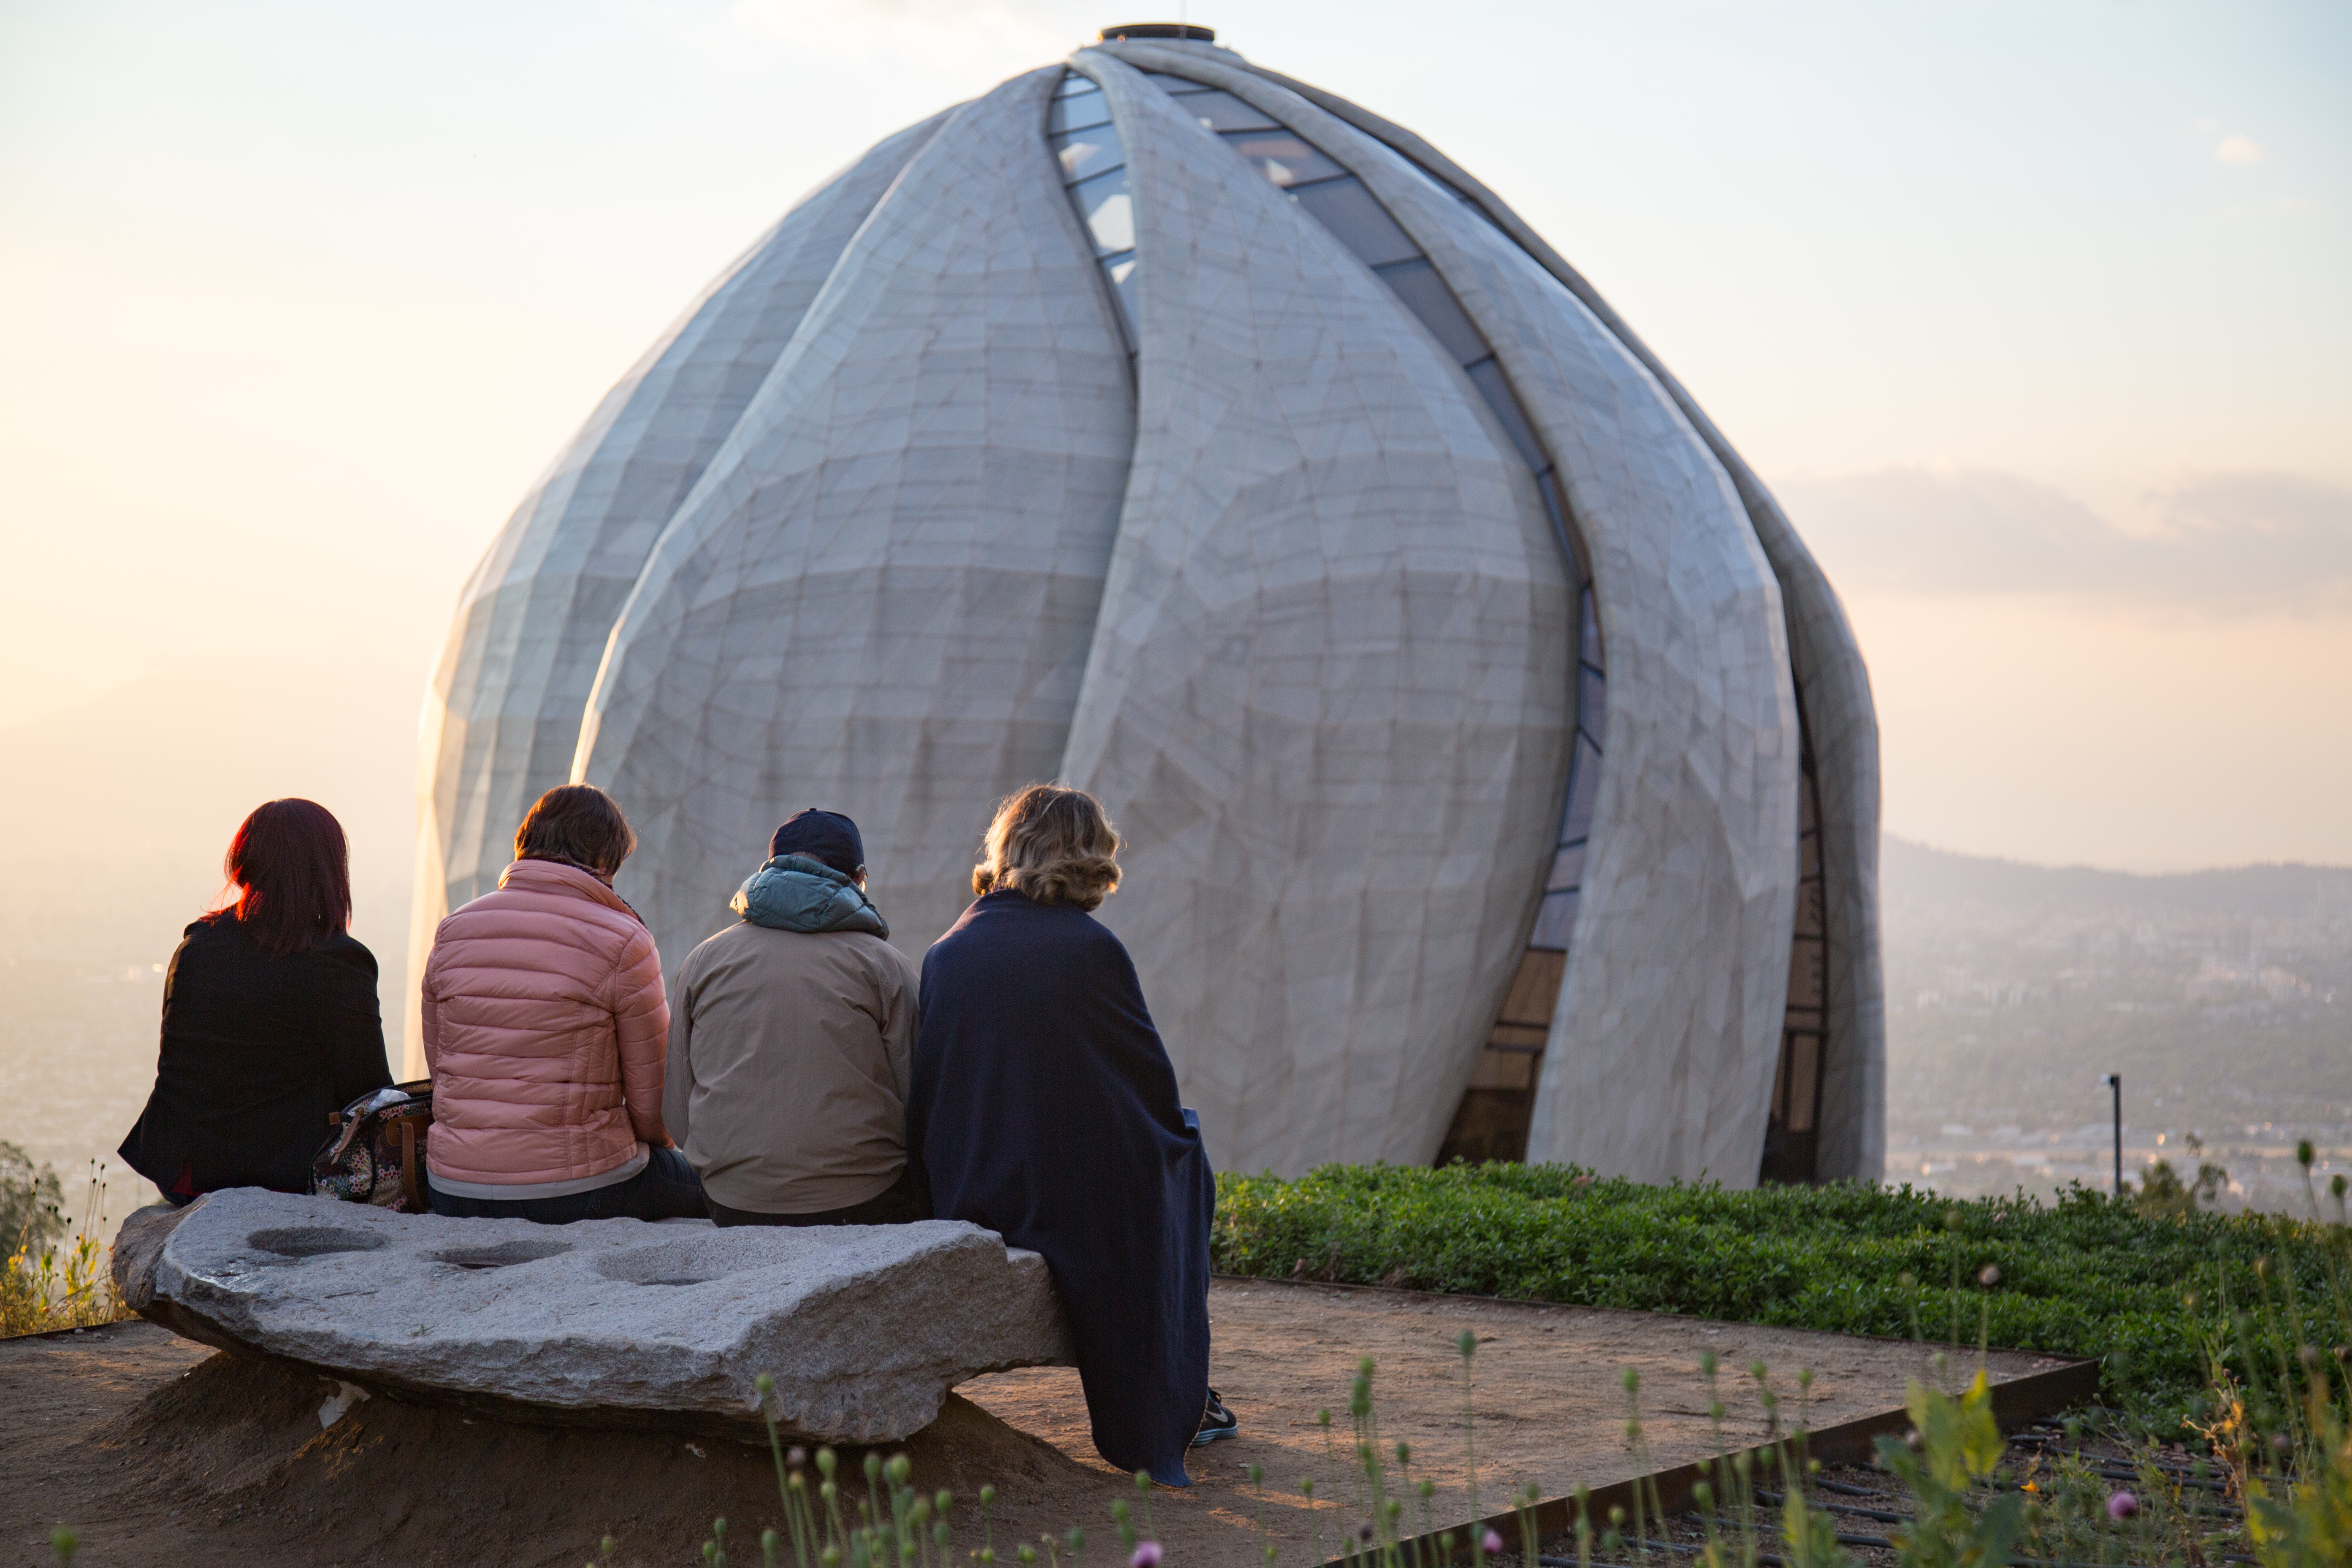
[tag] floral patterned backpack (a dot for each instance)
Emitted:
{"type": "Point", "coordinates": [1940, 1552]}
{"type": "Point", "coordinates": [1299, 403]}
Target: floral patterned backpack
{"type": "Point", "coordinates": [377, 1152]}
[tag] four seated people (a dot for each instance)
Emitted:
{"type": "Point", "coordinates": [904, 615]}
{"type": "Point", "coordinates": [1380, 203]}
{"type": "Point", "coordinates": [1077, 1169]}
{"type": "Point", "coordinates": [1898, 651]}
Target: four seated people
{"type": "Point", "coordinates": [812, 1077]}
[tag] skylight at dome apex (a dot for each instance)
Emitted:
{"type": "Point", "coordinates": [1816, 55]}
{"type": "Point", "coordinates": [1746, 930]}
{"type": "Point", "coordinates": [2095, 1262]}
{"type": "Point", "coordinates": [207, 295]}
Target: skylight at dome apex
{"type": "Point", "coordinates": [1498, 770]}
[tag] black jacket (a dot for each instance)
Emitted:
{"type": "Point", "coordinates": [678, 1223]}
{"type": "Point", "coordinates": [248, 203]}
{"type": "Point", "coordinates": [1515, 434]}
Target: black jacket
{"type": "Point", "coordinates": [1044, 1108]}
{"type": "Point", "coordinates": [257, 1051]}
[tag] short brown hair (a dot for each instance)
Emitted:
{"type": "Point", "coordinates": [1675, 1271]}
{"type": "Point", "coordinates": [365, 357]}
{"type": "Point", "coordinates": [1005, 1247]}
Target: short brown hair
{"type": "Point", "coordinates": [1052, 843]}
{"type": "Point", "coordinates": [579, 824]}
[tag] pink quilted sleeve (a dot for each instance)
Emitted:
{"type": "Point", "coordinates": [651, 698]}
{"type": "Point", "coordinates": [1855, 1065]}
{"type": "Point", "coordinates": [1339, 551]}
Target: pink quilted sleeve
{"type": "Point", "coordinates": [641, 1012]}
{"type": "Point", "coordinates": [429, 1017]}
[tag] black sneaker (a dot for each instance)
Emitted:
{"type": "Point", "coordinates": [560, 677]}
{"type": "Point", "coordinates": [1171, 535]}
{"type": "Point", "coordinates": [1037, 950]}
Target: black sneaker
{"type": "Point", "coordinates": [1216, 1422]}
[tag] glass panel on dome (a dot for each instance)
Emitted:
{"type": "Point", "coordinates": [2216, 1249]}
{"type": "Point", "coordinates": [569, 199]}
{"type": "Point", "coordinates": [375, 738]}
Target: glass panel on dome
{"type": "Point", "coordinates": [1591, 698]}
{"type": "Point", "coordinates": [1583, 789]}
{"type": "Point", "coordinates": [1120, 271]}
{"type": "Point", "coordinates": [1488, 377]}
{"type": "Point", "coordinates": [1426, 294]}
{"type": "Point", "coordinates": [1085, 146]}
{"type": "Point", "coordinates": [1555, 921]}
{"type": "Point", "coordinates": [1079, 114]}
{"type": "Point", "coordinates": [1106, 210]}
{"type": "Point", "coordinates": [1361, 224]}
{"type": "Point", "coordinates": [1792, 1139]}
{"type": "Point", "coordinates": [1444, 186]}
{"type": "Point", "coordinates": [1567, 868]}
{"type": "Point", "coordinates": [1177, 84]}
{"type": "Point", "coordinates": [1224, 111]}
{"type": "Point", "coordinates": [1555, 501]}
{"type": "Point", "coordinates": [1085, 153]}
{"type": "Point", "coordinates": [1284, 158]}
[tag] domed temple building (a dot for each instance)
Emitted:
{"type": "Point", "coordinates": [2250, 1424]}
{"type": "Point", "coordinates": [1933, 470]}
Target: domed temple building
{"type": "Point", "coordinates": [1498, 770]}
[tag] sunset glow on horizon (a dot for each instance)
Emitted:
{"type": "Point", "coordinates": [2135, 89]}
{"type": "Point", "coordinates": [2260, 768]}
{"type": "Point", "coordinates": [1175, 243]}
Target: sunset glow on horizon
{"type": "Point", "coordinates": [2034, 320]}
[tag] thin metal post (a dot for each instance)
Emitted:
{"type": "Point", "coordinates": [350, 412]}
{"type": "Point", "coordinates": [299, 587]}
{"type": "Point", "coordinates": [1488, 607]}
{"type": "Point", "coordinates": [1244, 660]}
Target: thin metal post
{"type": "Point", "coordinates": [2115, 1081]}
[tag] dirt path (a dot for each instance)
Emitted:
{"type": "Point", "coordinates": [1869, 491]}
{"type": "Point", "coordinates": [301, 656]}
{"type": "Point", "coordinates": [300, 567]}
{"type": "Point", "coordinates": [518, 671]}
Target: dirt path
{"type": "Point", "coordinates": [155, 1450]}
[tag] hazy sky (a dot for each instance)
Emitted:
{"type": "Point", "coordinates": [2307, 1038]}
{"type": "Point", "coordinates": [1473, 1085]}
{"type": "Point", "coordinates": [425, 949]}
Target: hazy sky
{"type": "Point", "coordinates": [2039, 317]}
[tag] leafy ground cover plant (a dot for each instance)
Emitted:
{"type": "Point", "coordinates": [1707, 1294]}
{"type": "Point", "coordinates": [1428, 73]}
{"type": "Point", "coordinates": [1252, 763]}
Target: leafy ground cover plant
{"type": "Point", "coordinates": [2087, 1275]}
{"type": "Point", "coordinates": [2281, 1363]}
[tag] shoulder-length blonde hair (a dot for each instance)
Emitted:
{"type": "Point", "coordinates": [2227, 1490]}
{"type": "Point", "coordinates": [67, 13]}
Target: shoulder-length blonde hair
{"type": "Point", "coordinates": [1052, 843]}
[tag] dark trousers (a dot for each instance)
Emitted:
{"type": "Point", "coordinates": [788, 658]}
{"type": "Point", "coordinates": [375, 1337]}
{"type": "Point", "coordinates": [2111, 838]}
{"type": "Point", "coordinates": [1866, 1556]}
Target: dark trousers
{"type": "Point", "coordinates": [900, 1204]}
{"type": "Point", "coordinates": [667, 1189]}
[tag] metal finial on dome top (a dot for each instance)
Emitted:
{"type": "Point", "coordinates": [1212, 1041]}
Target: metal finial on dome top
{"type": "Point", "coordinates": [1158, 30]}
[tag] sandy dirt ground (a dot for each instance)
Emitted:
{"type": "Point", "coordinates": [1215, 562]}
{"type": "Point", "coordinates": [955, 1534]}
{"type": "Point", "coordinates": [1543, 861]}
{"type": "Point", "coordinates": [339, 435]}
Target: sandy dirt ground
{"type": "Point", "coordinates": [155, 1450]}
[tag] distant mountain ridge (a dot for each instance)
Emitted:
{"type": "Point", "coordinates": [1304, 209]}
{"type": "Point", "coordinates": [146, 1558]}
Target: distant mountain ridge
{"type": "Point", "coordinates": [1910, 872]}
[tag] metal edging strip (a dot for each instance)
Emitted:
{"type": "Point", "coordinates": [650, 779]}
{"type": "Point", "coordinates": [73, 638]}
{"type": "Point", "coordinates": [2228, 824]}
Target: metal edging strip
{"type": "Point", "coordinates": [2014, 1402]}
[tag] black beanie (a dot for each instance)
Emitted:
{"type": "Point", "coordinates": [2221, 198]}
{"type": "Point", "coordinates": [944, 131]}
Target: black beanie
{"type": "Point", "coordinates": [825, 836]}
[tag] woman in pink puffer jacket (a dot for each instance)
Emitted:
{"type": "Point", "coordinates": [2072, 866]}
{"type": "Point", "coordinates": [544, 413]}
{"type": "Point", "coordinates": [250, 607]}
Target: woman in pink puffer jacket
{"type": "Point", "coordinates": [545, 1026]}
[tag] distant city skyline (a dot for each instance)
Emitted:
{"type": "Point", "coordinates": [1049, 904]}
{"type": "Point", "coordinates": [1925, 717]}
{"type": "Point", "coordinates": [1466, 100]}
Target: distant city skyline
{"type": "Point", "coordinates": [2033, 318]}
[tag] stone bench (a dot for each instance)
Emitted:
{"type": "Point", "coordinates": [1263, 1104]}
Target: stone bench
{"type": "Point", "coordinates": [607, 1322]}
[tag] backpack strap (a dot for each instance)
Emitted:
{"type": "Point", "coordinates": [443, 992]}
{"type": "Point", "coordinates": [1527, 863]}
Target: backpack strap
{"type": "Point", "coordinates": [412, 1173]}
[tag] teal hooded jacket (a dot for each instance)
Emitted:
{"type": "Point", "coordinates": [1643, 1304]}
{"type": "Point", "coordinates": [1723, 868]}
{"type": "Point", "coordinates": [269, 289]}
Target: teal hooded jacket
{"type": "Point", "coordinates": [797, 892]}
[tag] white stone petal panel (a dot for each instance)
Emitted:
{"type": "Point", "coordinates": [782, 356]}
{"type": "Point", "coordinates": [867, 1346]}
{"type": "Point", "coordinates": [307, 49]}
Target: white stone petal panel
{"type": "Point", "coordinates": [502, 720]}
{"type": "Point", "coordinates": [880, 598]}
{"type": "Point", "coordinates": [1833, 683]}
{"type": "Point", "coordinates": [1668, 1029]}
{"type": "Point", "coordinates": [1668, 1026]}
{"type": "Point", "coordinates": [1328, 688]}
{"type": "Point", "coordinates": [1831, 678]}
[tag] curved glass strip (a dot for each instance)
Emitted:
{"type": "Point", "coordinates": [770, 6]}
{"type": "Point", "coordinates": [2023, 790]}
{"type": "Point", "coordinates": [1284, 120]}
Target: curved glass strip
{"type": "Point", "coordinates": [1222, 112]}
{"type": "Point", "coordinates": [1792, 1125]}
{"type": "Point", "coordinates": [1082, 157]}
{"type": "Point", "coordinates": [1284, 158]}
{"type": "Point", "coordinates": [1093, 161]}
{"type": "Point", "coordinates": [1491, 1123]}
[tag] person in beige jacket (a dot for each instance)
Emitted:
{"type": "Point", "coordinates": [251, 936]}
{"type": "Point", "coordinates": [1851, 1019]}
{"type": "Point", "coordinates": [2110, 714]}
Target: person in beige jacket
{"type": "Point", "coordinates": [791, 1040]}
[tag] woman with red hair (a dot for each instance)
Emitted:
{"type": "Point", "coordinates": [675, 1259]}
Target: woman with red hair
{"type": "Point", "coordinates": [269, 1017]}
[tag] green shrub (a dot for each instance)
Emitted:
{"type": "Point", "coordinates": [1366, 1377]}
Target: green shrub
{"type": "Point", "coordinates": [2086, 1276]}
{"type": "Point", "coordinates": [32, 1202]}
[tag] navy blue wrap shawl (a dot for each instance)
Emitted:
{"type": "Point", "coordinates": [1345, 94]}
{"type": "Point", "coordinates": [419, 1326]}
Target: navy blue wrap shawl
{"type": "Point", "coordinates": [1044, 1108]}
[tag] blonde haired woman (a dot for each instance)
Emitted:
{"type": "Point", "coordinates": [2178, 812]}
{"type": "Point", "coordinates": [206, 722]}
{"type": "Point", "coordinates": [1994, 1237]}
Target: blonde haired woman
{"type": "Point", "coordinates": [1044, 1108]}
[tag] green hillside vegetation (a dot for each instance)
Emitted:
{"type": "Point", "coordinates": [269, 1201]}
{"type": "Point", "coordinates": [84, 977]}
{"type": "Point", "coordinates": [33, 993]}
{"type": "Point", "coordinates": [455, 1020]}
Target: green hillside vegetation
{"type": "Point", "coordinates": [2145, 1293]}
